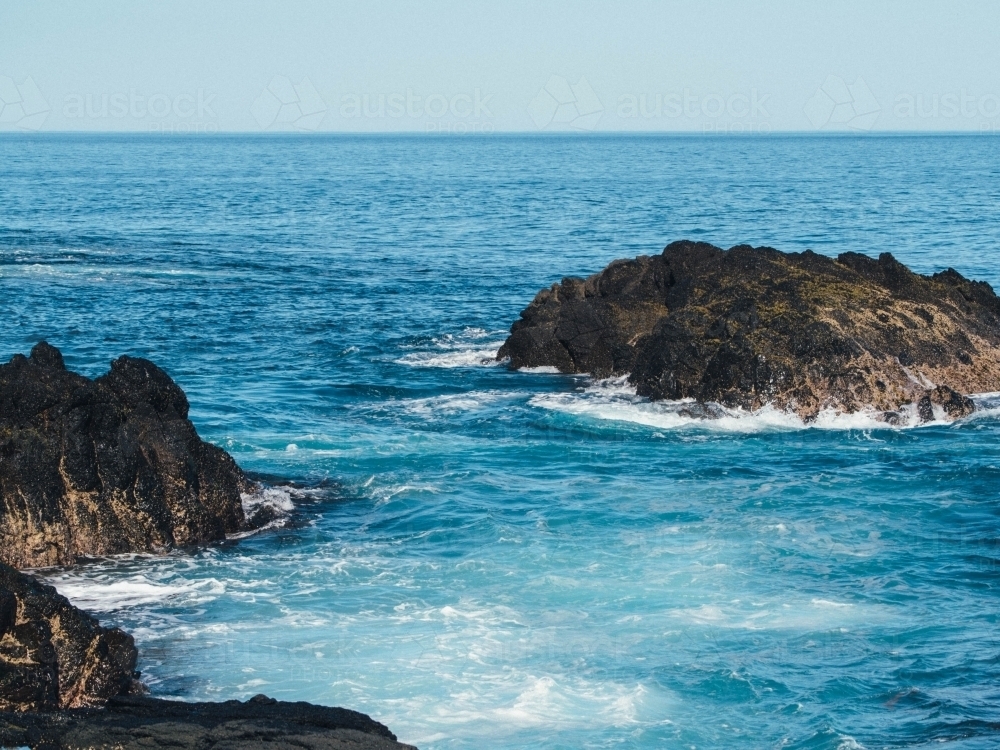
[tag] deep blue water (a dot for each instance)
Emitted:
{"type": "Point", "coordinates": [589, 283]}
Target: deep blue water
{"type": "Point", "coordinates": [481, 557]}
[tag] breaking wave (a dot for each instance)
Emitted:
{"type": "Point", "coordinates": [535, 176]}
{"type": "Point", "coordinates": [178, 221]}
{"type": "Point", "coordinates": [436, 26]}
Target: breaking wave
{"type": "Point", "coordinates": [473, 347]}
{"type": "Point", "coordinates": [615, 399]}
{"type": "Point", "coordinates": [99, 591]}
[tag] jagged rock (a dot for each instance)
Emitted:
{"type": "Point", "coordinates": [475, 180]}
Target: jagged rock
{"type": "Point", "coordinates": [258, 724]}
{"type": "Point", "coordinates": [105, 466]}
{"type": "Point", "coordinates": [750, 326]}
{"type": "Point", "coordinates": [52, 655]}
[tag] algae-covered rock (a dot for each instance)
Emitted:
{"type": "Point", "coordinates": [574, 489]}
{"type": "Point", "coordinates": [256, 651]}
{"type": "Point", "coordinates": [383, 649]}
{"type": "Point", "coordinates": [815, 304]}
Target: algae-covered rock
{"type": "Point", "coordinates": [749, 326]}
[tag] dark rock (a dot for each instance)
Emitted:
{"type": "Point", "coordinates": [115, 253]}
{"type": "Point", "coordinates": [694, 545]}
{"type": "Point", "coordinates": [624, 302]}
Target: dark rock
{"type": "Point", "coordinates": [105, 466]}
{"type": "Point", "coordinates": [141, 722]}
{"type": "Point", "coordinates": [52, 655]}
{"type": "Point", "coordinates": [748, 326]}
{"type": "Point", "coordinates": [925, 410]}
{"type": "Point", "coordinates": [701, 411]}
{"type": "Point", "coordinates": [954, 403]}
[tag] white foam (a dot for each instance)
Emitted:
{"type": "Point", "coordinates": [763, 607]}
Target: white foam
{"type": "Point", "coordinates": [615, 400]}
{"type": "Point", "coordinates": [475, 357]}
{"type": "Point", "coordinates": [465, 349]}
{"type": "Point", "coordinates": [383, 495]}
{"type": "Point", "coordinates": [545, 701]}
{"type": "Point", "coordinates": [507, 703]}
{"type": "Point", "coordinates": [987, 405]}
{"type": "Point", "coordinates": [278, 498]}
{"type": "Point", "coordinates": [104, 594]}
{"type": "Point", "coordinates": [455, 403]}
{"type": "Point", "coordinates": [540, 370]}
{"type": "Point", "coordinates": [849, 743]}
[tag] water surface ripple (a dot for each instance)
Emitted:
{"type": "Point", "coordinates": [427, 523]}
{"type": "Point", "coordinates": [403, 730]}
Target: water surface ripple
{"type": "Point", "coordinates": [521, 560]}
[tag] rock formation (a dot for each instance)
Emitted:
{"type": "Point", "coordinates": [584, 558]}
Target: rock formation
{"type": "Point", "coordinates": [258, 724]}
{"type": "Point", "coordinates": [749, 326]}
{"type": "Point", "coordinates": [54, 656]}
{"type": "Point", "coordinates": [66, 682]}
{"type": "Point", "coordinates": [105, 466]}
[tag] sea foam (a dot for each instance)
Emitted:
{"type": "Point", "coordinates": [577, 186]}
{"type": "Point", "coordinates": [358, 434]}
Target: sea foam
{"type": "Point", "coordinates": [614, 399]}
{"type": "Point", "coordinates": [473, 347]}
{"type": "Point", "coordinates": [108, 593]}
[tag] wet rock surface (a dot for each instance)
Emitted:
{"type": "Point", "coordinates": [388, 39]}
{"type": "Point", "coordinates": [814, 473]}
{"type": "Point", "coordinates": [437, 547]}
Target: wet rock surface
{"type": "Point", "coordinates": [746, 327]}
{"type": "Point", "coordinates": [143, 722]}
{"type": "Point", "coordinates": [52, 655]}
{"type": "Point", "coordinates": [106, 466]}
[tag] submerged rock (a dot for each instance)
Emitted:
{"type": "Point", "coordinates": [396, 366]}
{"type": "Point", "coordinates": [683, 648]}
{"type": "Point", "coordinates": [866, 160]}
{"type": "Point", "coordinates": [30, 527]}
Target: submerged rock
{"type": "Point", "coordinates": [105, 466]}
{"type": "Point", "coordinates": [749, 326]}
{"type": "Point", "coordinates": [138, 722]}
{"type": "Point", "coordinates": [54, 656]}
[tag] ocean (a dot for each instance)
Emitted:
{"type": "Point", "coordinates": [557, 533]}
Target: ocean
{"type": "Point", "coordinates": [479, 557]}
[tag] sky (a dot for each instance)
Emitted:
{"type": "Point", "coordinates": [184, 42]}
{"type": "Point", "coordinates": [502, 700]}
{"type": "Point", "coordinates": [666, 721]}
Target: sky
{"type": "Point", "coordinates": [477, 67]}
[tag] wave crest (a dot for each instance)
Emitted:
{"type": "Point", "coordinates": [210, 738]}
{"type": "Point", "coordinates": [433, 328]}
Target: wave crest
{"type": "Point", "coordinates": [473, 347]}
{"type": "Point", "coordinates": [616, 400]}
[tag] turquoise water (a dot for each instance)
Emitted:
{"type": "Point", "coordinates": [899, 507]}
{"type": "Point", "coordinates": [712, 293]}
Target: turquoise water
{"type": "Point", "coordinates": [479, 557]}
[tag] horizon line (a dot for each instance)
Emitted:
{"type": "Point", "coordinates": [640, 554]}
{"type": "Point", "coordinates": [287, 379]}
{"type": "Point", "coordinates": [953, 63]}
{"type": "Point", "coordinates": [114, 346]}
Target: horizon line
{"type": "Point", "coordinates": [482, 134]}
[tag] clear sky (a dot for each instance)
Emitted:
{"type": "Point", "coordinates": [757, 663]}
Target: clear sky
{"type": "Point", "coordinates": [500, 66]}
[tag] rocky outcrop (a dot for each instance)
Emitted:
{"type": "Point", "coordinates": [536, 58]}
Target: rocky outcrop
{"type": "Point", "coordinates": [749, 326]}
{"type": "Point", "coordinates": [258, 724]}
{"type": "Point", "coordinates": [52, 655]}
{"type": "Point", "coordinates": [67, 682]}
{"type": "Point", "coordinates": [105, 466]}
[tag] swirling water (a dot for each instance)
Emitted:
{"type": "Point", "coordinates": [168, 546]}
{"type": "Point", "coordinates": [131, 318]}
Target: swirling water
{"type": "Point", "coordinates": [522, 559]}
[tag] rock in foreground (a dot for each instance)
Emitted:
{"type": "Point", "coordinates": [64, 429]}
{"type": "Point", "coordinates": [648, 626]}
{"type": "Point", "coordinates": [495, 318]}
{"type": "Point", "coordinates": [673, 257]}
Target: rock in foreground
{"type": "Point", "coordinates": [105, 466]}
{"type": "Point", "coordinates": [139, 722]}
{"type": "Point", "coordinates": [54, 656]}
{"type": "Point", "coordinates": [750, 326]}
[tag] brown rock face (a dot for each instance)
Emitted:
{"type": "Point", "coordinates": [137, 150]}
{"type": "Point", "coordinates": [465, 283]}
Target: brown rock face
{"type": "Point", "coordinates": [105, 466]}
{"type": "Point", "coordinates": [750, 326]}
{"type": "Point", "coordinates": [54, 656]}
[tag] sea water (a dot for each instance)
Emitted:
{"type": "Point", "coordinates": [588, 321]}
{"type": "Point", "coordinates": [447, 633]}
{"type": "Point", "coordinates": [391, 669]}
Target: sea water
{"type": "Point", "coordinates": [486, 558]}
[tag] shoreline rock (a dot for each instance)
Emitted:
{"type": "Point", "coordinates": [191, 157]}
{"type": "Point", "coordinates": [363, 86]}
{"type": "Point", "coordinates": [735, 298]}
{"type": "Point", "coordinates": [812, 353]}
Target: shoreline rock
{"type": "Point", "coordinates": [149, 723]}
{"type": "Point", "coordinates": [106, 466]}
{"type": "Point", "coordinates": [747, 327]}
{"type": "Point", "coordinates": [54, 656]}
{"type": "Point", "coordinates": [68, 683]}
{"type": "Point", "coordinates": [103, 467]}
